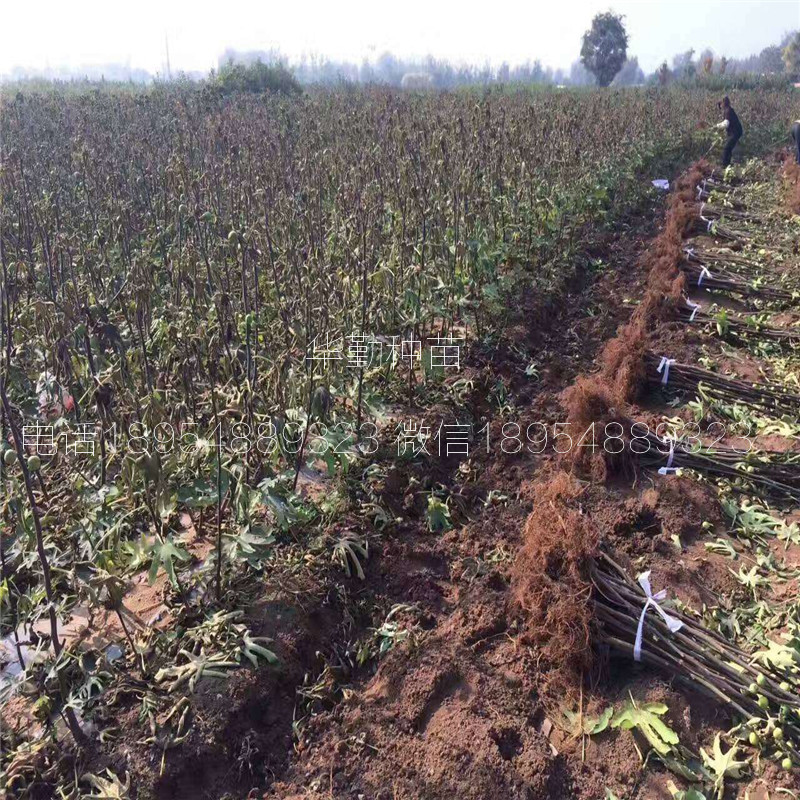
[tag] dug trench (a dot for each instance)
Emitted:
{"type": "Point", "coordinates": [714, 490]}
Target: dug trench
{"type": "Point", "coordinates": [456, 708]}
{"type": "Point", "coordinates": [454, 705]}
{"type": "Point", "coordinates": [465, 707]}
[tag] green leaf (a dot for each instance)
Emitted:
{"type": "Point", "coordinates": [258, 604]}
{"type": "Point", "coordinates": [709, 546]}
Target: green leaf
{"type": "Point", "coordinates": [166, 503]}
{"type": "Point", "coordinates": [438, 515]}
{"type": "Point", "coordinates": [722, 765]}
{"type": "Point", "coordinates": [253, 543]}
{"type": "Point", "coordinates": [750, 578]}
{"type": "Point", "coordinates": [722, 547]}
{"type": "Point", "coordinates": [678, 765]}
{"type": "Point", "coordinates": [164, 554]}
{"type": "Point", "coordinates": [778, 656]}
{"type": "Point", "coordinates": [587, 725]}
{"type": "Point", "coordinates": [646, 718]}
{"type": "Point", "coordinates": [202, 493]}
{"type": "Point", "coordinates": [689, 794]}
{"type": "Point", "coordinates": [107, 786]}
{"type": "Point", "coordinates": [283, 511]}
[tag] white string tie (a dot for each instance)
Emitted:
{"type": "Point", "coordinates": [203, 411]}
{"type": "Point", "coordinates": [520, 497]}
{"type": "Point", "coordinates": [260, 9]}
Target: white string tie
{"type": "Point", "coordinates": [673, 624]}
{"type": "Point", "coordinates": [665, 364]}
{"type": "Point", "coordinates": [704, 273]}
{"type": "Point", "coordinates": [708, 222]}
{"type": "Point", "coordinates": [669, 468]}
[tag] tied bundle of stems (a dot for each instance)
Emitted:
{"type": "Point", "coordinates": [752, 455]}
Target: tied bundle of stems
{"type": "Point", "coordinates": [740, 328]}
{"type": "Point", "coordinates": [724, 280]}
{"type": "Point", "coordinates": [715, 228]}
{"type": "Point", "coordinates": [705, 194]}
{"type": "Point", "coordinates": [710, 184]}
{"type": "Point", "coordinates": [729, 260]}
{"type": "Point", "coordinates": [685, 377]}
{"type": "Point", "coordinates": [723, 255]}
{"type": "Point", "coordinates": [732, 213]}
{"type": "Point", "coordinates": [700, 658]}
{"type": "Point", "coordinates": [768, 472]}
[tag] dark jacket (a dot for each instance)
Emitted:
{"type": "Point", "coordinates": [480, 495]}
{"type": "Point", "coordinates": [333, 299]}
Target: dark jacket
{"type": "Point", "coordinates": [734, 125]}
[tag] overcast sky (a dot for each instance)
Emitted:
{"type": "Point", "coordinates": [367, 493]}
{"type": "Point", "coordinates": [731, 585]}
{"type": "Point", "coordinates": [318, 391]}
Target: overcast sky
{"type": "Point", "coordinates": [53, 33]}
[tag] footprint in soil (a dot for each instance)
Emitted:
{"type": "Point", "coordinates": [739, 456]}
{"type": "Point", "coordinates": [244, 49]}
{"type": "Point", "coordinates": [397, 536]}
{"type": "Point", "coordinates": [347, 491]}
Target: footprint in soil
{"type": "Point", "coordinates": [447, 684]}
{"type": "Point", "coordinates": [508, 742]}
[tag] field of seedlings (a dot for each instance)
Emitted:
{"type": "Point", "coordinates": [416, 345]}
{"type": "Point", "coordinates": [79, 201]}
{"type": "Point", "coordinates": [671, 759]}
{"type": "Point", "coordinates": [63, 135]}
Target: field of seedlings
{"type": "Point", "coordinates": [389, 444]}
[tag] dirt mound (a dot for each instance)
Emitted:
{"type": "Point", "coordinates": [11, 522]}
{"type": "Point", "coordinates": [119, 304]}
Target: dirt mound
{"type": "Point", "coordinates": [439, 722]}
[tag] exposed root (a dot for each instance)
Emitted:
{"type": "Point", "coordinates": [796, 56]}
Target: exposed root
{"type": "Point", "coordinates": [552, 574]}
{"type": "Point", "coordinates": [622, 361]}
{"type": "Point", "coordinates": [552, 584]}
{"type": "Point", "coordinates": [622, 365]}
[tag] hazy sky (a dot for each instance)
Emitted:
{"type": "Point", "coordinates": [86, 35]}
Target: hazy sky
{"type": "Point", "coordinates": [41, 33]}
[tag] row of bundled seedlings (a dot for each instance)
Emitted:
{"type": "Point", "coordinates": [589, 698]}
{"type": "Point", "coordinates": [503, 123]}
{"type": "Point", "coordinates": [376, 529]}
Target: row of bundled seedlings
{"type": "Point", "coordinates": [671, 375]}
{"type": "Point", "coordinates": [732, 272]}
{"type": "Point", "coordinates": [750, 328]}
{"type": "Point", "coordinates": [716, 228]}
{"type": "Point", "coordinates": [698, 274]}
{"type": "Point", "coordinates": [580, 601]}
{"type": "Point", "coordinates": [624, 445]}
{"type": "Point", "coordinates": [708, 186]}
{"type": "Point", "coordinates": [580, 605]}
{"type": "Point", "coordinates": [730, 260]}
{"type": "Point", "coordinates": [735, 211]}
{"type": "Point", "coordinates": [630, 368]}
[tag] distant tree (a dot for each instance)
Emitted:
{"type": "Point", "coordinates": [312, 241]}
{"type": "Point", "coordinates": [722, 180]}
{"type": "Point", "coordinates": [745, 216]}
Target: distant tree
{"type": "Point", "coordinates": [580, 76]}
{"type": "Point", "coordinates": [683, 64]}
{"type": "Point", "coordinates": [605, 47]}
{"type": "Point", "coordinates": [366, 74]}
{"type": "Point", "coordinates": [388, 69]}
{"type": "Point", "coordinates": [723, 65]}
{"type": "Point", "coordinates": [530, 73]}
{"type": "Point", "coordinates": [631, 74]}
{"type": "Point", "coordinates": [256, 77]}
{"type": "Point", "coordinates": [791, 55]}
{"type": "Point", "coordinates": [663, 74]}
{"type": "Point", "coordinates": [538, 72]}
{"type": "Point", "coordinates": [771, 59]}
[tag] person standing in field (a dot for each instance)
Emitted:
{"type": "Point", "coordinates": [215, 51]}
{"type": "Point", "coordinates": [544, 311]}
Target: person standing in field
{"type": "Point", "coordinates": [796, 137]}
{"type": "Point", "coordinates": [733, 127]}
